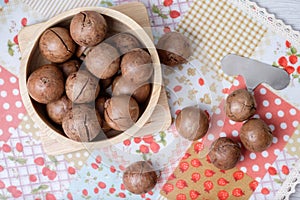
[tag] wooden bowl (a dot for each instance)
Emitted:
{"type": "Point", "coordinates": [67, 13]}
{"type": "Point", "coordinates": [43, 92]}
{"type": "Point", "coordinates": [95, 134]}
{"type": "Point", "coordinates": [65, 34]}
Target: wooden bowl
{"type": "Point", "coordinates": [32, 59]}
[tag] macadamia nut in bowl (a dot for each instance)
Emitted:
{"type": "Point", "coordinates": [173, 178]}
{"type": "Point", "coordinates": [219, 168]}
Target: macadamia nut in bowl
{"type": "Point", "coordinates": [33, 59]}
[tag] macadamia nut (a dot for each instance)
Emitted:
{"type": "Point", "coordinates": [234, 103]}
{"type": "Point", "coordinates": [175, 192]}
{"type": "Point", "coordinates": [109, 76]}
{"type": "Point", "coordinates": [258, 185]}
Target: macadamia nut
{"type": "Point", "coordinates": [240, 105]}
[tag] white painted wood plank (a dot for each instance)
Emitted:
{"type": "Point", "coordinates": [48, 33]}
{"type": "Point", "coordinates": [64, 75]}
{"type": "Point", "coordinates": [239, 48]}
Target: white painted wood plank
{"type": "Point", "coordinates": [286, 10]}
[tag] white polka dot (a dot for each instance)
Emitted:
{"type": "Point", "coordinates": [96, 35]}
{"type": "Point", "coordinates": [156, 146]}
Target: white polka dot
{"type": "Point", "coordinates": [277, 101]}
{"type": "Point", "coordinates": [243, 169]}
{"type": "Point", "coordinates": [255, 168]}
{"type": "Point", "coordinates": [269, 115]}
{"type": "Point", "coordinates": [11, 130]}
{"type": "Point", "coordinates": [232, 122]}
{"type": "Point", "coordinates": [295, 124]}
{"type": "Point", "coordinates": [276, 152]}
{"type": "Point", "coordinates": [78, 154]}
{"type": "Point", "coordinates": [265, 154]}
{"type": "Point", "coordinates": [210, 137]}
{"type": "Point", "coordinates": [267, 165]}
{"type": "Point", "coordinates": [242, 158]}
{"type": "Point", "coordinates": [1, 81]}
{"type": "Point", "coordinates": [27, 126]}
{"type": "Point", "coordinates": [3, 94]}
{"type": "Point", "coordinates": [263, 91]}
{"type": "Point", "coordinates": [252, 156]}
{"type": "Point", "coordinates": [1, 132]}
{"type": "Point", "coordinates": [235, 133]}
{"type": "Point", "coordinates": [13, 79]}
{"type": "Point", "coordinates": [220, 123]}
{"type": "Point", "coordinates": [272, 127]}
{"type": "Point", "coordinates": [280, 113]}
{"type": "Point", "coordinates": [291, 141]}
{"type": "Point", "coordinates": [9, 118]}
{"type": "Point", "coordinates": [256, 116]}
{"type": "Point", "coordinates": [6, 106]}
{"type": "Point", "coordinates": [286, 138]}
{"type": "Point", "coordinates": [283, 125]}
{"type": "Point", "coordinates": [218, 111]}
{"type": "Point", "coordinates": [266, 103]}
{"type": "Point", "coordinates": [222, 134]}
{"type": "Point", "coordinates": [18, 104]}
{"type": "Point", "coordinates": [275, 140]}
{"type": "Point", "coordinates": [293, 149]}
{"type": "Point", "coordinates": [293, 111]}
{"type": "Point", "coordinates": [20, 116]}
{"type": "Point", "coordinates": [86, 154]}
{"type": "Point", "coordinates": [15, 92]}
{"type": "Point", "coordinates": [236, 83]}
{"type": "Point", "coordinates": [258, 179]}
{"type": "Point", "coordinates": [80, 163]}
{"type": "Point", "coordinates": [69, 155]}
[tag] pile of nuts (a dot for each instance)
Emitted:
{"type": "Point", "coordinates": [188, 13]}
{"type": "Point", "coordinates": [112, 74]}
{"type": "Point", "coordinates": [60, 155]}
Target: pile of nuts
{"type": "Point", "coordinates": [75, 93]}
{"type": "Point", "coordinates": [255, 135]}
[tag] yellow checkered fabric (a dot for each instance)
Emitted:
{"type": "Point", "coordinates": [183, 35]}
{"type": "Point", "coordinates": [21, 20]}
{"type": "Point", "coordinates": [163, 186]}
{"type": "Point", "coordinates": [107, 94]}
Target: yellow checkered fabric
{"type": "Point", "coordinates": [217, 28]}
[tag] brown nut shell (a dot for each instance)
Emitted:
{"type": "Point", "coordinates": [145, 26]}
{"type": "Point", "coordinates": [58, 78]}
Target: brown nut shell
{"type": "Point", "coordinates": [69, 67]}
{"type": "Point", "coordinates": [192, 123]}
{"type": "Point", "coordinates": [125, 42]}
{"type": "Point", "coordinates": [46, 84]}
{"type": "Point", "coordinates": [103, 61]}
{"type": "Point", "coordinates": [82, 123]}
{"type": "Point", "coordinates": [88, 28]}
{"type": "Point", "coordinates": [140, 177]}
{"type": "Point", "coordinates": [173, 49]}
{"type": "Point", "coordinates": [140, 92]}
{"type": "Point", "coordinates": [57, 109]}
{"type": "Point", "coordinates": [82, 87]}
{"type": "Point", "coordinates": [136, 66]}
{"type": "Point", "coordinates": [56, 44]}
{"type": "Point", "coordinates": [240, 105]}
{"type": "Point", "coordinates": [224, 153]}
{"type": "Point", "coordinates": [121, 112]}
{"type": "Point", "coordinates": [256, 136]}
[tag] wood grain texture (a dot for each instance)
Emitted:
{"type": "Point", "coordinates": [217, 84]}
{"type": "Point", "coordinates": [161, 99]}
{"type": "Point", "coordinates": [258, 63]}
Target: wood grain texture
{"type": "Point", "coordinates": [286, 10]}
{"type": "Point", "coordinates": [151, 121]}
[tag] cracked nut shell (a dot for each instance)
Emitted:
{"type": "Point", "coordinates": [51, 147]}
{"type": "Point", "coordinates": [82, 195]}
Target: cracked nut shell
{"type": "Point", "coordinates": [136, 66]}
{"type": "Point", "coordinates": [103, 61]}
{"type": "Point", "coordinates": [140, 177]}
{"type": "Point", "coordinates": [224, 153]}
{"type": "Point", "coordinates": [82, 87]}
{"type": "Point", "coordinates": [256, 136]}
{"type": "Point", "coordinates": [46, 84]}
{"type": "Point", "coordinates": [56, 44]}
{"type": "Point", "coordinates": [82, 123]}
{"type": "Point", "coordinates": [140, 92]}
{"type": "Point", "coordinates": [57, 109]}
{"type": "Point", "coordinates": [88, 28]}
{"type": "Point", "coordinates": [240, 105]}
{"type": "Point", "coordinates": [173, 49]}
{"type": "Point", "coordinates": [121, 112]}
{"type": "Point", "coordinates": [192, 123]}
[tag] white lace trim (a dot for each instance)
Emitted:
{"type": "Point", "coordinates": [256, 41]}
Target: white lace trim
{"type": "Point", "coordinates": [290, 183]}
{"type": "Point", "coordinates": [265, 18]}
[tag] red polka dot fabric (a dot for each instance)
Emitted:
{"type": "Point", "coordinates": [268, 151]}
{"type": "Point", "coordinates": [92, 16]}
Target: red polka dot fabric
{"type": "Point", "coordinates": [278, 114]}
{"type": "Point", "coordinates": [11, 106]}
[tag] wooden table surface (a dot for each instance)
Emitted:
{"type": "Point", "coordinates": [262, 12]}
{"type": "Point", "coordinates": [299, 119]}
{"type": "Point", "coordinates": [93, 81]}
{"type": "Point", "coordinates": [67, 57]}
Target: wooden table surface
{"type": "Point", "coordinates": [289, 12]}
